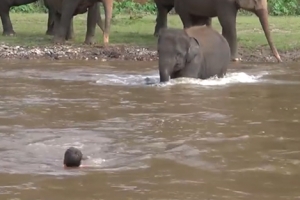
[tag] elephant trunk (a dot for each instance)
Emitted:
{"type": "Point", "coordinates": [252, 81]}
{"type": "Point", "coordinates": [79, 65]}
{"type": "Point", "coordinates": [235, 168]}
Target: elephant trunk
{"type": "Point", "coordinates": [164, 74]}
{"type": "Point", "coordinates": [263, 18]}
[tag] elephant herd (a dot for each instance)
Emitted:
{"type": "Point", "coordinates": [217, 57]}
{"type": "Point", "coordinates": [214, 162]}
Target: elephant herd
{"type": "Point", "coordinates": [196, 44]}
{"type": "Point", "coordinates": [60, 17]}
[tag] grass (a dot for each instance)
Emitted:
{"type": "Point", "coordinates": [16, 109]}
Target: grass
{"type": "Point", "coordinates": [30, 29]}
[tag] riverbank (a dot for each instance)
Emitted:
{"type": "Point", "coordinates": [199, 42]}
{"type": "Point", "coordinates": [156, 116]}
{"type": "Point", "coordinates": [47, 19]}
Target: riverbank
{"type": "Point", "coordinates": [132, 39]}
{"type": "Point", "coordinates": [120, 52]}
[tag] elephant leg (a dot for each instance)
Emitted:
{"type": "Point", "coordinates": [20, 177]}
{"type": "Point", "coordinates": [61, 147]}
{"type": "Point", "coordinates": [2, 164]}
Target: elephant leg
{"type": "Point", "coordinates": [99, 20]}
{"type": "Point", "coordinates": [92, 18]}
{"type": "Point", "coordinates": [67, 12]}
{"type": "Point", "coordinates": [228, 23]}
{"type": "Point", "coordinates": [200, 21]}
{"type": "Point", "coordinates": [57, 17]}
{"type": "Point", "coordinates": [162, 17]}
{"type": "Point", "coordinates": [70, 32]}
{"type": "Point", "coordinates": [209, 22]}
{"type": "Point", "coordinates": [6, 22]}
{"type": "Point", "coordinates": [50, 25]}
{"type": "Point", "coordinates": [108, 7]}
{"type": "Point", "coordinates": [186, 18]}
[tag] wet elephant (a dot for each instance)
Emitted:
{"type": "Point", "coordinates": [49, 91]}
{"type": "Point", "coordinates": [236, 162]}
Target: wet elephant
{"type": "Point", "coordinates": [5, 6]}
{"type": "Point", "coordinates": [196, 52]}
{"type": "Point", "coordinates": [65, 10]}
{"type": "Point", "coordinates": [163, 8]}
{"type": "Point", "coordinates": [226, 11]}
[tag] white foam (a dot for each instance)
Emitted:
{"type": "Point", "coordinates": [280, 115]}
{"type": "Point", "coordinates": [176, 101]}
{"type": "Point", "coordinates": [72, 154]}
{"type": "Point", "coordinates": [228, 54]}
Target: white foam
{"type": "Point", "coordinates": [153, 79]}
{"type": "Point", "coordinates": [98, 161]}
{"type": "Point", "coordinates": [238, 77]}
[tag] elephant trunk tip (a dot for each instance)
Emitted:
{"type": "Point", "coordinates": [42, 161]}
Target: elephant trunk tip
{"type": "Point", "coordinates": [278, 58]}
{"type": "Point", "coordinates": [276, 54]}
{"type": "Point", "coordinates": [164, 75]}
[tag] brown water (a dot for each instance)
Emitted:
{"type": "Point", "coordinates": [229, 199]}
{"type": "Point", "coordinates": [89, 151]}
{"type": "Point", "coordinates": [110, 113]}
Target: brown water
{"type": "Point", "coordinates": [235, 138]}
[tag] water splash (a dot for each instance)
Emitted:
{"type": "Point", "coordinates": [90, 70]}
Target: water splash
{"type": "Point", "coordinates": [153, 79]}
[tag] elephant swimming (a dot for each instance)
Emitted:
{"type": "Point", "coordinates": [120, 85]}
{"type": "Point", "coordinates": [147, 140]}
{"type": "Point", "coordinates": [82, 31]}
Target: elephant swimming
{"type": "Point", "coordinates": [5, 6]}
{"type": "Point", "coordinates": [196, 52]}
{"type": "Point", "coordinates": [163, 7]}
{"type": "Point", "coordinates": [65, 10]}
{"type": "Point", "coordinates": [226, 11]}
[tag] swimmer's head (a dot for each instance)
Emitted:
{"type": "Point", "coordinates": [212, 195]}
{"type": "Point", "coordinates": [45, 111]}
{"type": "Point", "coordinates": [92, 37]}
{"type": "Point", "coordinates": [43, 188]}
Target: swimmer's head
{"type": "Point", "coordinates": [73, 157]}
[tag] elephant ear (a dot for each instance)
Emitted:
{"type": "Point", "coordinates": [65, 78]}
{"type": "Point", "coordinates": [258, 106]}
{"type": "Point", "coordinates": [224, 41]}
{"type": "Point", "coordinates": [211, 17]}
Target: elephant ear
{"type": "Point", "coordinates": [194, 48]}
{"type": "Point", "coordinates": [252, 5]}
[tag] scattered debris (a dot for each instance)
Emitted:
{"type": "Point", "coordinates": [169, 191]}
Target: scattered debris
{"type": "Point", "coordinates": [121, 52]}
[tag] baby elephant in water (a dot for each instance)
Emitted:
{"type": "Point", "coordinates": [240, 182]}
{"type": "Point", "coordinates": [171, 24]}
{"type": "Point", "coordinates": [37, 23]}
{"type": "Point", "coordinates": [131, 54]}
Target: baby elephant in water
{"type": "Point", "coordinates": [196, 52]}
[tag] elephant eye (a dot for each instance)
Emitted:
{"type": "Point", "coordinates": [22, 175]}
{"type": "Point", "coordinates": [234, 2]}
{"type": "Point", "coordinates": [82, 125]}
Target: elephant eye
{"type": "Point", "coordinates": [178, 55]}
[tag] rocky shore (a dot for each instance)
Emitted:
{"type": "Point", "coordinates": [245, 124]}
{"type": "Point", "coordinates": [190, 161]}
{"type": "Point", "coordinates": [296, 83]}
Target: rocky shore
{"type": "Point", "coordinates": [63, 52]}
{"type": "Point", "coordinates": [119, 52]}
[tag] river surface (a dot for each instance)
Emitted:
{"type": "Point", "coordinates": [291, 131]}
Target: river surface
{"type": "Point", "coordinates": [232, 138]}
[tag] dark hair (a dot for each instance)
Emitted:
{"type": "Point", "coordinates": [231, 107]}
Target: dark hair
{"type": "Point", "coordinates": [73, 157]}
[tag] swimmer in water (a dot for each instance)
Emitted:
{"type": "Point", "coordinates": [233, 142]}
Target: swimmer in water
{"type": "Point", "coordinates": [73, 157]}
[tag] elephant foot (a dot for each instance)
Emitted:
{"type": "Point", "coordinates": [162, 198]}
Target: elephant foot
{"type": "Point", "coordinates": [236, 59]}
{"type": "Point", "coordinates": [106, 39]}
{"type": "Point", "coordinates": [49, 32]}
{"type": "Point", "coordinates": [9, 33]}
{"type": "Point", "coordinates": [58, 40]}
{"type": "Point", "coordinates": [69, 38]}
{"type": "Point", "coordinates": [89, 41]}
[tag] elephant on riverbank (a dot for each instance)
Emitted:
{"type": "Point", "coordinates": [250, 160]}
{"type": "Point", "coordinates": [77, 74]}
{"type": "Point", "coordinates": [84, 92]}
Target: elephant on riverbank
{"type": "Point", "coordinates": [163, 7]}
{"type": "Point", "coordinates": [196, 52]}
{"type": "Point", "coordinates": [65, 10]}
{"type": "Point", "coordinates": [226, 11]}
{"type": "Point", "coordinates": [70, 32]}
{"type": "Point", "coordinates": [5, 6]}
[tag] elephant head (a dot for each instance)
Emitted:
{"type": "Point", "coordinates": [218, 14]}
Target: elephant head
{"type": "Point", "coordinates": [260, 8]}
{"type": "Point", "coordinates": [176, 49]}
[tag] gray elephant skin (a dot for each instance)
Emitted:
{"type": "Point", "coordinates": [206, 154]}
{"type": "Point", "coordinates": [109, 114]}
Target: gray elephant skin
{"type": "Point", "coordinates": [163, 7]}
{"type": "Point", "coordinates": [65, 10]}
{"type": "Point", "coordinates": [196, 52]}
{"type": "Point", "coordinates": [226, 11]}
{"type": "Point", "coordinates": [70, 32]}
{"type": "Point", "coordinates": [5, 6]}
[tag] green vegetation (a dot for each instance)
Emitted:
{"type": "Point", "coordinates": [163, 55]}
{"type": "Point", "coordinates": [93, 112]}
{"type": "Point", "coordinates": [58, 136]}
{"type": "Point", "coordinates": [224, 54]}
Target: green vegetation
{"type": "Point", "coordinates": [37, 7]}
{"type": "Point", "coordinates": [131, 7]}
{"type": "Point", "coordinates": [284, 7]}
{"type": "Point", "coordinates": [31, 30]}
{"type": "Point", "coordinates": [276, 7]}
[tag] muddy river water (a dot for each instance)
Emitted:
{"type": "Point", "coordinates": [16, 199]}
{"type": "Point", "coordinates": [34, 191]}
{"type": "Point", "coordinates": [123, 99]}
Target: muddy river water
{"type": "Point", "coordinates": [233, 138]}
